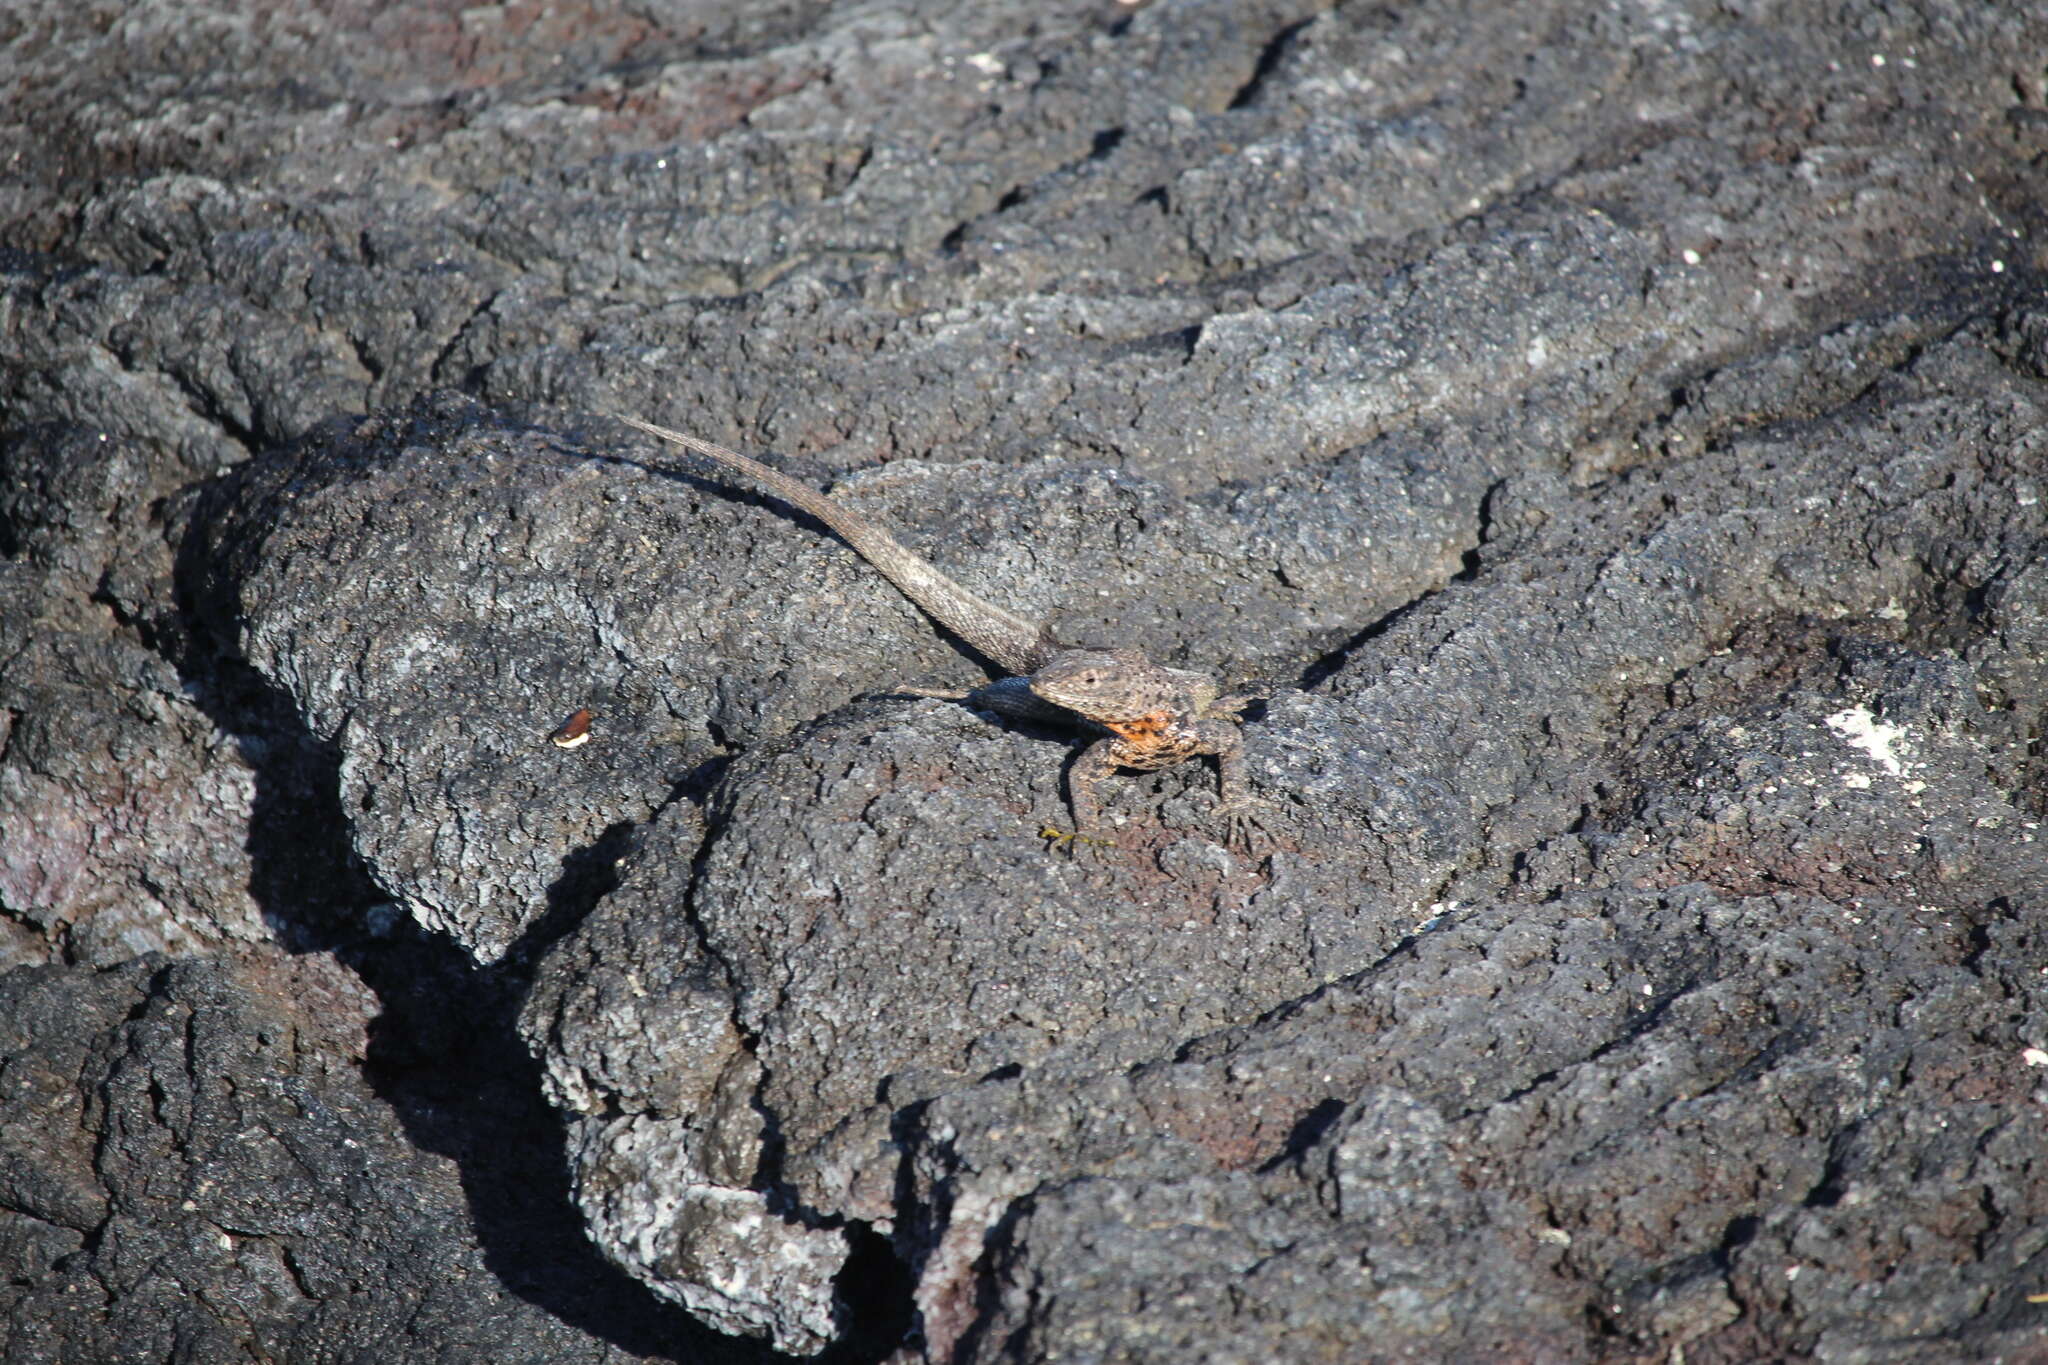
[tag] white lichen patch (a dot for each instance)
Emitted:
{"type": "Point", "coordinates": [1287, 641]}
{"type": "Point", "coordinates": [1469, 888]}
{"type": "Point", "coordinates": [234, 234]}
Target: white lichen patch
{"type": "Point", "coordinates": [1862, 730]}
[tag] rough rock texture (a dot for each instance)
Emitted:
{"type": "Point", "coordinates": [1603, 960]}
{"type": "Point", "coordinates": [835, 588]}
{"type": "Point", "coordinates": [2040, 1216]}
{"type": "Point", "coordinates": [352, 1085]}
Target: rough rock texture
{"type": "Point", "coordinates": [1615, 438]}
{"type": "Point", "coordinates": [126, 806]}
{"type": "Point", "coordinates": [213, 1178]}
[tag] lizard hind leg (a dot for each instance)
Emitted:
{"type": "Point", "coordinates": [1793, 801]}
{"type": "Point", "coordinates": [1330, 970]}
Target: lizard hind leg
{"type": "Point", "coordinates": [1013, 699]}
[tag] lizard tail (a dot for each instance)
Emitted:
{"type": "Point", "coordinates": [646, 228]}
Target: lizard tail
{"type": "Point", "coordinates": [1010, 641]}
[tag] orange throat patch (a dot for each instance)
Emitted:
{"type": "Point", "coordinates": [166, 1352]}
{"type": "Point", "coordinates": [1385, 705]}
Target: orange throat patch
{"type": "Point", "coordinates": [1144, 732]}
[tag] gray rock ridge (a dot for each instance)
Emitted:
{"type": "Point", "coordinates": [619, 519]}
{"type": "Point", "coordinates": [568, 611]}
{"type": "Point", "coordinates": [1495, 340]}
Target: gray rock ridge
{"type": "Point", "coordinates": [1612, 434]}
{"type": "Point", "coordinates": [1657, 745]}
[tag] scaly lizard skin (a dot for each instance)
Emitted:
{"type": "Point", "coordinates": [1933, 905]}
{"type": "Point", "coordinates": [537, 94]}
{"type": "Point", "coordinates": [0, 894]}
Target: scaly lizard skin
{"type": "Point", "coordinates": [1151, 717]}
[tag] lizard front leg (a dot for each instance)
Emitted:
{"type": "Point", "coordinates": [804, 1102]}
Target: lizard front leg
{"type": "Point", "coordinates": [1084, 775]}
{"type": "Point", "coordinates": [1234, 803]}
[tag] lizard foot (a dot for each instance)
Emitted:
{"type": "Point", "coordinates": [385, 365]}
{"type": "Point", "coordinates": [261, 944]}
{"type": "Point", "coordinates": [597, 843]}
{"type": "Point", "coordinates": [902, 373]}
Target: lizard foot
{"type": "Point", "coordinates": [1074, 841]}
{"type": "Point", "coordinates": [1243, 832]}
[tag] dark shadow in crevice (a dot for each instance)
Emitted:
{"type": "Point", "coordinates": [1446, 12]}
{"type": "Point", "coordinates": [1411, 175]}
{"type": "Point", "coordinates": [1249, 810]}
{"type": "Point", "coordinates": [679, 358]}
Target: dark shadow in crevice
{"type": "Point", "coordinates": [1739, 1234]}
{"type": "Point", "coordinates": [1270, 57]}
{"type": "Point", "coordinates": [444, 1051]}
{"type": "Point", "coordinates": [589, 874]}
{"type": "Point", "coordinates": [876, 1289]}
{"type": "Point", "coordinates": [313, 893]}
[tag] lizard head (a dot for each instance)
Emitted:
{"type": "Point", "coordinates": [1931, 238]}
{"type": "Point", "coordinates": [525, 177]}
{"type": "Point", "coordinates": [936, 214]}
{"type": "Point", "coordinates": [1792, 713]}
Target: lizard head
{"type": "Point", "coordinates": [1106, 685]}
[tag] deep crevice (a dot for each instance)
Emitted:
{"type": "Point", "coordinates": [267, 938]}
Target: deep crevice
{"type": "Point", "coordinates": [1270, 56]}
{"type": "Point", "coordinates": [876, 1290]}
{"type": "Point", "coordinates": [1338, 659]}
{"type": "Point", "coordinates": [444, 1051]}
{"type": "Point", "coordinates": [446, 1055]}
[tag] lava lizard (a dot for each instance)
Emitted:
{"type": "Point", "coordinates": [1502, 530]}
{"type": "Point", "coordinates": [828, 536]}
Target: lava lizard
{"type": "Point", "coordinates": [1151, 717]}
